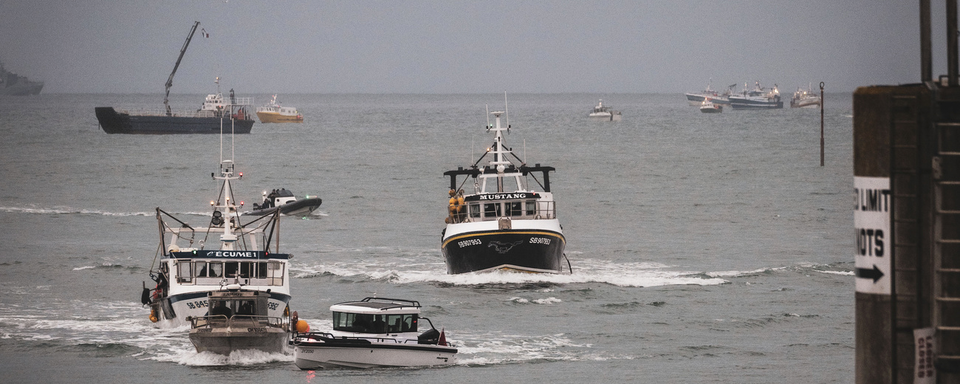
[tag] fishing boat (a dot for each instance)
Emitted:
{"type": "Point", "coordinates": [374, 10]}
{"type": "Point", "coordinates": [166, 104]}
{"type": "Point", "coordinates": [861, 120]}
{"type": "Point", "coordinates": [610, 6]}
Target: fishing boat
{"type": "Point", "coordinates": [275, 113]}
{"type": "Point", "coordinates": [696, 98]}
{"type": "Point", "coordinates": [601, 112]}
{"type": "Point", "coordinates": [503, 223]}
{"type": "Point", "coordinates": [208, 119]}
{"type": "Point", "coordinates": [757, 98]}
{"type": "Point", "coordinates": [708, 106]}
{"type": "Point", "coordinates": [805, 98]}
{"type": "Point", "coordinates": [238, 320]}
{"type": "Point", "coordinates": [12, 84]}
{"type": "Point", "coordinates": [372, 333]}
{"type": "Point", "coordinates": [187, 268]}
{"type": "Point", "coordinates": [283, 200]}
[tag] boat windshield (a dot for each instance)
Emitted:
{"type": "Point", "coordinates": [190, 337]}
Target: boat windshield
{"type": "Point", "coordinates": [369, 323]}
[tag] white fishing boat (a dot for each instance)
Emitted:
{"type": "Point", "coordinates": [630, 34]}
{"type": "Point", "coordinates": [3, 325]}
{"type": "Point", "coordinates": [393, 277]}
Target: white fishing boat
{"type": "Point", "coordinates": [805, 98]}
{"type": "Point", "coordinates": [275, 113]}
{"type": "Point", "coordinates": [708, 106]}
{"type": "Point", "coordinates": [696, 98]}
{"type": "Point", "coordinates": [371, 333]}
{"type": "Point", "coordinates": [757, 98]}
{"type": "Point", "coordinates": [503, 223]}
{"type": "Point", "coordinates": [288, 204]}
{"type": "Point", "coordinates": [187, 268]}
{"type": "Point", "coordinates": [238, 320]}
{"type": "Point", "coordinates": [601, 112]}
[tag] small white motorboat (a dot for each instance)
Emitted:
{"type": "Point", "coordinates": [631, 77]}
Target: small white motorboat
{"type": "Point", "coordinates": [708, 106]}
{"type": "Point", "coordinates": [600, 112]}
{"type": "Point", "coordinates": [371, 333]}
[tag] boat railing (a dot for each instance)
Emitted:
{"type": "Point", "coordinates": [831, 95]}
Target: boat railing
{"type": "Point", "coordinates": [519, 209]}
{"type": "Point", "coordinates": [220, 321]}
{"type": "Point", "coordinates": [160, 112]}
{"type": "Point", "coordinates": [372, 339]}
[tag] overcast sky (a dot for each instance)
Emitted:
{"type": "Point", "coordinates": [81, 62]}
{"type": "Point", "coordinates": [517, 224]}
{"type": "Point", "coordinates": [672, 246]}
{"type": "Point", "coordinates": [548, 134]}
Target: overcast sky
{"type": "Point", "coordinates": [452, 46]}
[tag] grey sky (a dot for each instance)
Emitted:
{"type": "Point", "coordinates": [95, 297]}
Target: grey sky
{"type": "Point", "coordinates": [465, 47]}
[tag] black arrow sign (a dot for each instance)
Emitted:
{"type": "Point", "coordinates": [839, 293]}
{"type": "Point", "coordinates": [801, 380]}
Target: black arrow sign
{"type": "Point", "coordinates": [874, 273]}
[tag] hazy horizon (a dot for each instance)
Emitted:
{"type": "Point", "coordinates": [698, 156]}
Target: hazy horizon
{"type": "Point", "coordinates": [435, 47]}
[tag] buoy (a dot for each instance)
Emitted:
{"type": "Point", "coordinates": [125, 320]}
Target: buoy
{"type": "Point", "coordinates": [153, 316]}
{"type": "Point", "coordinates": [302, 326]}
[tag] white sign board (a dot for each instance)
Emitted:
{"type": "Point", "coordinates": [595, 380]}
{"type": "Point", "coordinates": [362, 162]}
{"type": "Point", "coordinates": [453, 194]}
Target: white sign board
{"type": "Point", "coordinates": [924, 371]}
{"type": "Point", "coordinates": [874, 245]}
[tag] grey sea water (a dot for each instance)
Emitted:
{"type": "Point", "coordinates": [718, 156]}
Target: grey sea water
{"type": "Point", "coordinates": [705, 248]}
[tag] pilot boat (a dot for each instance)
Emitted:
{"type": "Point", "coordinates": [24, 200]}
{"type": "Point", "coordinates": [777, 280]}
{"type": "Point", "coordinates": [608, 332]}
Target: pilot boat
{"type": "Point", "coordinates": [371, 333]}
{"type": "Point", "coordinates": [503, 223]}
{"type": "Point", "coordinates": [238, 320]}
{"type": "Point", "coordinates": [275, 113]}
{"type": "Point", "coordinates": [187, 268]}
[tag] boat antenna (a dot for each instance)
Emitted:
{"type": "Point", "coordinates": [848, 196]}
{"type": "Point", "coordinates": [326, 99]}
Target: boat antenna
{"type": "Point", "coordinates": [166, 98]}
{"type": "Point", "coordinates": [506, 111]}
{"type": "Point", "coordinates": [488, 116]}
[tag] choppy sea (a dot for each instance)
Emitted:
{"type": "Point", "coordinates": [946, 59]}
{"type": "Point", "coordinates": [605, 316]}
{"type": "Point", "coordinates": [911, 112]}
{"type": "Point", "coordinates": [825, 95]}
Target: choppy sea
{"type": "Point", "coordinates": [705, 248]}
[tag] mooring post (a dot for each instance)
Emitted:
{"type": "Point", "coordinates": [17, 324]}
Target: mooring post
{"type": "Point", "coordinates": [821, 123]}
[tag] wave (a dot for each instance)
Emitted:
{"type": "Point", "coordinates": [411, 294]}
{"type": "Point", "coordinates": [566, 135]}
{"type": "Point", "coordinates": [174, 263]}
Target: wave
{"type": "Point", "coordinates": [588, 271]}
{"type": "Point", "coordinates": [69, 211]}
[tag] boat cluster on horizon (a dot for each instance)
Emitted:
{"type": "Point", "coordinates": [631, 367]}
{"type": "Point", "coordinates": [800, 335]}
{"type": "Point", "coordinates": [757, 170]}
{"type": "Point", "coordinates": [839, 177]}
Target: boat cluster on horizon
{"type": "Point", "coordinates": [712, 101]}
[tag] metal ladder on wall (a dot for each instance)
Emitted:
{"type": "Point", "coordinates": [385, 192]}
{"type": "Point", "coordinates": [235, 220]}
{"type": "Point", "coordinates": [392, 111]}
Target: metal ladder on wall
{"type": "Point", "coordinates": [946, 233]}
{"type": "Point", "coordinates": [906, 277]}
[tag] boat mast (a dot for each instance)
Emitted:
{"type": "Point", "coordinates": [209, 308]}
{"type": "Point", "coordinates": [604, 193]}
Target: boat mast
{"type": "Point", "coordinates": [183, 50]}
{"type": "Point", "coordinates": [500, 160]}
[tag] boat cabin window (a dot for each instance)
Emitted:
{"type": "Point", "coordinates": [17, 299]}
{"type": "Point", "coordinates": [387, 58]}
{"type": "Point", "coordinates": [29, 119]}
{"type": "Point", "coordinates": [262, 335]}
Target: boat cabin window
{"type": "Point", "coordinates": [367, 323]}
{"type": "Point", "coordinates": [515, 208]}
{"type": "Point", "coordinates": [475, 210]}
{"type": "Point", "coordinates": [531, 207]}
{"type": "Point", "coordinates": [491, 210]}
{"type": "Point", "coordinates": [203, 272]}
{"type": "Point", "coordinates": [185, 273]}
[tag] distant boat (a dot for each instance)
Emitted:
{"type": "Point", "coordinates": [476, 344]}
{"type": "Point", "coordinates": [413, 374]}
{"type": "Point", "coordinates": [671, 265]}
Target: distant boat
{"type": "Point", "coordinates": [695, 98]}
{"type": "Point", "coordinates": [600, 112]}
{"type": "Point", "coordinates": [805, 98]}
{"type": "Point", "coordinates": [288, 204]}
{"type": "Point", "coordinates": [215, 115]}
{"type": "Point", "coordinates": [707, 106]}
{"type": "Point", "coordinates": [274, 113]}
{"type": "Point", "coordinates": [758, 98]}
{"type": "Point", "coordinates": [12, 84]}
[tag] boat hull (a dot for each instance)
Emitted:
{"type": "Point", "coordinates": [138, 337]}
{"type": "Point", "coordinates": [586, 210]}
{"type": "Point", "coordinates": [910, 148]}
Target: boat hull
{"type": "Point", "coordinates": [223, 340]}
{"type": "Point", "coordinates": [22, 89]}
{"type": "Point", "coordinates": [744, 103]}
{"type": "Point", "coordinates": [525, 250]}
{"type": "Point", "coordinates": [271, 117]}
{"type": "Point", "coordinates": [302, 207]}
{"type": "Point", "coordinates": [319, 354]}
{"type": "Point", "coordinates": [112, 121]}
